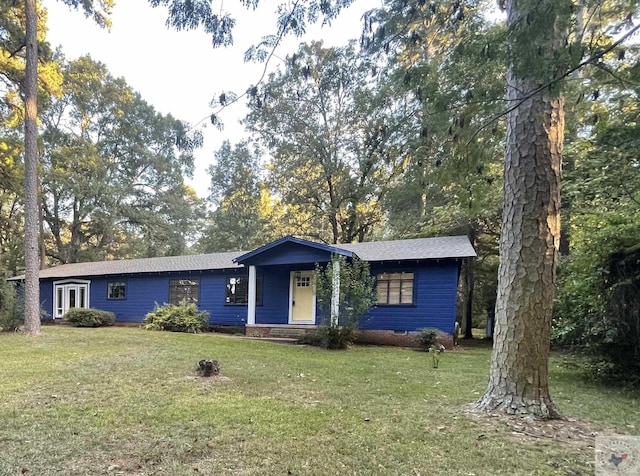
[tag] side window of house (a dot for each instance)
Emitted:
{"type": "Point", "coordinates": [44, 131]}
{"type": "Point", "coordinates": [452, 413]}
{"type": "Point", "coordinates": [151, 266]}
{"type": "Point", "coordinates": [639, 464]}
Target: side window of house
{"type": "Point", "coordinates": [238, 290]}
{"type": "Point", "coordinates": [395, 288]}
{"type": "Point", "coordinates": [183, 290]}
{"type": "Point", "coordinates": [117, 290]}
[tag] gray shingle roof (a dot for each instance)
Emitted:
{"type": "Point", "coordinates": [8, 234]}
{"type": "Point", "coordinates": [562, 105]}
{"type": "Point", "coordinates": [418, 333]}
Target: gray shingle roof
{"type": "Point", "coordinates": [145, 265]}
{"type": "Point", "coordinates": [418, 248]}
{"type": "Point", "coordinates": [397, 250]}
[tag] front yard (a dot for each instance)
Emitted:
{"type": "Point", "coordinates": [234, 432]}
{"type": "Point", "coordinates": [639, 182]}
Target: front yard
{"type": "Point", "coordinates": [123, 401]}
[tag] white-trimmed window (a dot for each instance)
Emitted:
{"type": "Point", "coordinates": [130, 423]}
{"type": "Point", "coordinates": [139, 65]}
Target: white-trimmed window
{"type": "Point", "coordinates": [68, 295]}
{"type": "Point", "coordinates": [395, 288]}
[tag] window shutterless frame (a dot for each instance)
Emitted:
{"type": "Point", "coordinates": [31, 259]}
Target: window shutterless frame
{"type": "Point", "coordinates": [237, 290]}
{"type": "Point", "coordinates": [184, 290]}
{"type": "Point", "coordinates": [395, 289]}
{"type": "Point", "coordinates": [117, 290]}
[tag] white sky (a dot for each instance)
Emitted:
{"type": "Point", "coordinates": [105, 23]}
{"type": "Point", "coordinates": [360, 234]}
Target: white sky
{"type": "Point", "coordinates": [180, 72]}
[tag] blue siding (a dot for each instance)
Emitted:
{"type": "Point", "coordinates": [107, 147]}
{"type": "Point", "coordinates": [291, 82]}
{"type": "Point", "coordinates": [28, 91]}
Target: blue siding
{"type": "Point", "coordinates": [275, 298]}
{"type": "Point", "coordinates": [435, 294]}
{"type": "Point", "coordinates": [213, 291]}
{"type": "Point", "coordinates": [46, 301]}
{"type": "Point", "coordinates": [144, 291]}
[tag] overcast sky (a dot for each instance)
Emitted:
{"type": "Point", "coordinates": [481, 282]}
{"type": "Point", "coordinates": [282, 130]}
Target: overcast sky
{"type": "Point", "coordinates": [180, 72]}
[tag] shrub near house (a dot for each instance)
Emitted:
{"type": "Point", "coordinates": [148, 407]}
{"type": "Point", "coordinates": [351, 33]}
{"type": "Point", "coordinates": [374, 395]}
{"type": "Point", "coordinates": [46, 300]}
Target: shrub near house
{"type": "Point", "coordinates": [183, 317]}
{"type": "Point", "coordinates": [89, 317]}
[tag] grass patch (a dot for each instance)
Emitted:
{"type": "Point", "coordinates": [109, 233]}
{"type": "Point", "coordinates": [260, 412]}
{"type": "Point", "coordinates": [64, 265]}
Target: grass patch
{"type": "Point", "coordinates": [124, 401]}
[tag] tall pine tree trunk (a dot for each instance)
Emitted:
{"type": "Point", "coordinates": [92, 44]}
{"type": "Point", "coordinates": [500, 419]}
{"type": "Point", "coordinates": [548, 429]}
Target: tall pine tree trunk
{"type": "Point", "coordinates": [518, 380]}
{"type": "Point", "coordinates": [31, 220]}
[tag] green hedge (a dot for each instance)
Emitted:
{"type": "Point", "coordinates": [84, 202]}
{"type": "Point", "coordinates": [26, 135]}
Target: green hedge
{"type": "Point", "coordinates": [181, 318]}
{"type": "Point", "coordinates": [89, 317]}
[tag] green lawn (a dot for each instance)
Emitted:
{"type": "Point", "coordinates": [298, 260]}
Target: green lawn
{"type": "Point", "coordinates": [126, 401]}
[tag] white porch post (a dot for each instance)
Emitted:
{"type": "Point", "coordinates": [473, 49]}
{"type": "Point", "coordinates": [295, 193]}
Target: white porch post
{"type": "Point", "coordinates": [335, 293]}
{"type": "Point", "coordinates": [251, 305]}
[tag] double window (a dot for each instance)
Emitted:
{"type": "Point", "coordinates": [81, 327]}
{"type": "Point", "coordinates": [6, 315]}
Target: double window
{"type": "Point", "coordinates": [184, 290]}
{"type": "Point", "coordinates": [395, 288]}
{"type": "Point", "coordinates": [238, 290]}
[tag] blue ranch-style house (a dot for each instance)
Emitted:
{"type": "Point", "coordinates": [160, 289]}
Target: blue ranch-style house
{"type": "Point", "coordinates": [270, 290]}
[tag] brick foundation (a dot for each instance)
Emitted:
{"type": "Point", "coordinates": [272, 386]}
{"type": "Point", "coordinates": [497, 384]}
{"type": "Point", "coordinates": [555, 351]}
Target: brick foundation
{"type": "Point", "coordinates": [396, 339]}
{"type": "Point", "coordinates": [362, 337]}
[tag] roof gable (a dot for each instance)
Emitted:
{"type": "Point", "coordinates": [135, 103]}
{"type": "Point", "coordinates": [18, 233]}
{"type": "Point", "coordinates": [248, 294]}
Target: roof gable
{"type": "Point", "coordinates": [291, 250]}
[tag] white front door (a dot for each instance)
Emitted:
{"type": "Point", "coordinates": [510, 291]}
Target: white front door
{"type": "Point", "coordinates": [69, 295]}
{"type": "Point", "coordinates": [302, 305]}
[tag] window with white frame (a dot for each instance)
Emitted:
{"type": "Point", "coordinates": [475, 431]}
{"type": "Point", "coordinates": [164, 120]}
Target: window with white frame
{"type": "Point", "coordinates": [395, 288]}
{"type": "Point", "coordinates": [69, 295]}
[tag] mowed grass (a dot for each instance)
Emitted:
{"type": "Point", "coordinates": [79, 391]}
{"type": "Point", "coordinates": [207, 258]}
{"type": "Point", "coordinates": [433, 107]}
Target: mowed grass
{"type": "Point", "coordinates": [126, 401]}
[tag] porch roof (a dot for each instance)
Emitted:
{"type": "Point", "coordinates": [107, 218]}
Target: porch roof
{"type": "Point", "coordinates": [285, 244]}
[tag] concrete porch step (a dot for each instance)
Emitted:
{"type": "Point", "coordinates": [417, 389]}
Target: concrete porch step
{"type": "Point", "coordinates": [292, 332]}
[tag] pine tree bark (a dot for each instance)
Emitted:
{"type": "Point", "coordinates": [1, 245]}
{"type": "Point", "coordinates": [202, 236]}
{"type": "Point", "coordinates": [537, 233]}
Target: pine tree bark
{"type": "Point", "coordinates": [518, 380]}
{"type": "Point", "coordinates": [31, 209]}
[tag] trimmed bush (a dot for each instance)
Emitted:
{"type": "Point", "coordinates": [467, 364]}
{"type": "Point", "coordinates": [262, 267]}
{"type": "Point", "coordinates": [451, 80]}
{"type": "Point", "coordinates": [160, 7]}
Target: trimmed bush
{"type": "Point", "coordinates": [89, 317]}
{"type": "Point", "coordinates": [181, 318]}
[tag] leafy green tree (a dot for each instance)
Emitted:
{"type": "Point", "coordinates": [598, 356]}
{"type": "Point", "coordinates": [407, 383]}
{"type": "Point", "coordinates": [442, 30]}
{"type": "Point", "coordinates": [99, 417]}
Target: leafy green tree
{"type": "Point", "coordinates": [11, 210]}
{"type": "Point", "coordinates": [11, 315]}
{"type": "Point", "coordinates": [136, 203]}
{"type": "Point", "coordinates": [334, 141]}
{"type": "Point", "coordinates": [539, 60]}
{"type": "Point", "coordinates": [597, 307]}
{"type": "Point", "coordinates": [237, 222]}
